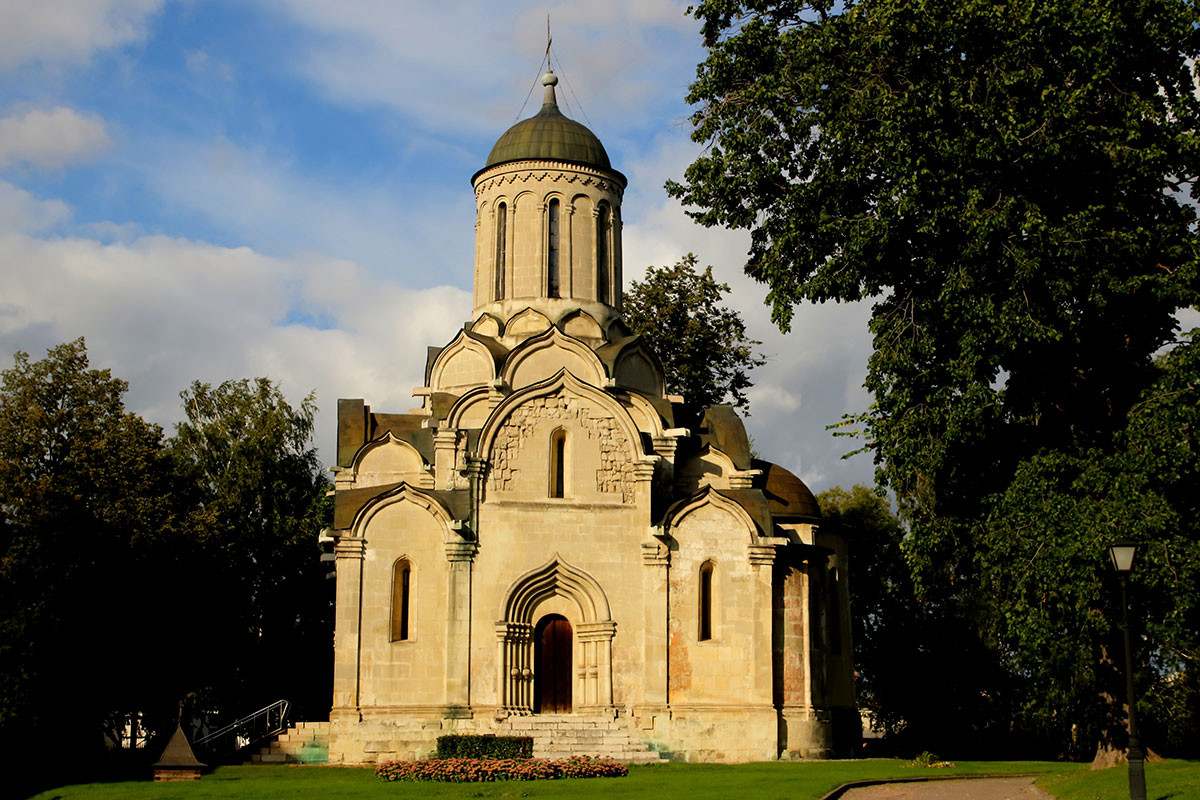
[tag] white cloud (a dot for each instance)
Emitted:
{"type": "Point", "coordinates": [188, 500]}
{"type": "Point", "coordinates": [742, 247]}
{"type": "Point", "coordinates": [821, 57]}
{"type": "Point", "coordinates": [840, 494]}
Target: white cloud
{"type": "Point", "coordinates": [408, 57]}
{"type": "Point", "coordinates": [769, 397]}
{"type": "Point", "coordinates": [51, 138]}
{"type": "Point", "coordinates": [161, 312]}
{"type": "Point", "coordinates": [268, 203]}
{"type": "Point", "coordinates": [22, 212]}
{"type": "Point", "coordinates": [53, 31]}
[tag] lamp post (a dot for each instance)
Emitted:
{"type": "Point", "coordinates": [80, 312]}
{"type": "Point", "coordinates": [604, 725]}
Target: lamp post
{"type": "Point", "coordinates": [1122, 552]}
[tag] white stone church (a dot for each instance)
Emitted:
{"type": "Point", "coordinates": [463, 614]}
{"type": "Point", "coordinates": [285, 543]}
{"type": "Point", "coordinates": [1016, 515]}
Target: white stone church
{"type": "Point", "coordinates": [554, 546]}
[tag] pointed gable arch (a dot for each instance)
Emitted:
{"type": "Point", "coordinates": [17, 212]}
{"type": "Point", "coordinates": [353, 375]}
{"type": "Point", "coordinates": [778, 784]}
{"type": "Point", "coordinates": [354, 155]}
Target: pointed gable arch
{"type": "Point", "coordinates": [637, 367]}
{"type": "Point", "coordinates": [384, 459]}
{"type": "Point", "coordinates": [464, 363]}
{"type": "Point", "coordinates": [527, 323]}
{"type": "Point", "coordinates": [581, 325]}
{"type": "Point", "coordinates": [548, 353]}
{"type": "Point", "coordinates": [487, 325]}
{"type": "Point", "coordinates": [709, 467]}
{"type": "Point", "coordinates": [563, 382]}
{"type": "Point", "coordinates": [645, 415]}
{"type": "Point", "coordinates": [710, 498]}
{"type": "Point", "coordinates": [470, 411]}
{"type": "Point", "coordinates": [404, 493]}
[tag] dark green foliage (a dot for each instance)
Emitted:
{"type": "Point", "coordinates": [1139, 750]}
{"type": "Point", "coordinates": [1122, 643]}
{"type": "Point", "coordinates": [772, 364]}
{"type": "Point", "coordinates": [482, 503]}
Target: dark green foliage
{"type": "Point", "coordinates": [1008, 181]}
{"type": "Point", "coordinates": [703, 346]}
{"type": "Point", "coordinates": [918, 676]}
{"type": "Point", "coordinates": [258, 506]}
{"type": "Point", "coordinates": [483, 746]}
{"type": "Point", "coordinates": [85, 503]}
{"type": "Point", "coordinates": [136, 574]}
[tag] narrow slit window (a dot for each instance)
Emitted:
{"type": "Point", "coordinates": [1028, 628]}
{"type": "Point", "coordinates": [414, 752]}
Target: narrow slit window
{"type": "Point", "coordinates": [558, 463]}
{"type": "Point", "coordinates": [401, 600]}
{"type": "Point", "coordinates": [603, 272]}
{"type": "Point", "coordinates": [552, 282]}
{"type": "Point", "coordinates": [834, 609]}
{"type": "Point", "coordinates": [706, 601]}
{"type": "Point", "coordinates": [501, 249]}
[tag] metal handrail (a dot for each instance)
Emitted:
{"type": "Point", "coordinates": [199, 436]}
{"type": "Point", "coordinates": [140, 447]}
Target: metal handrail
{"type": "Point", "coordinates": [267, 721]}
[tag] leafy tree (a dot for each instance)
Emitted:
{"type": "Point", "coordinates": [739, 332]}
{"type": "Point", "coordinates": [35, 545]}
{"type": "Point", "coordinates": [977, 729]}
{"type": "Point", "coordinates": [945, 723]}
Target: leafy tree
{"type": "Point", "coordinates": [85, 498]}
{"type": "Point", "coordinates": [259, 503]}
{"type": "Point", "coordinates": [1007, 181]}
{"type": "Point", "coordinates": [902, 647]}
{"type": "Point", "coordinates": [703, 346]}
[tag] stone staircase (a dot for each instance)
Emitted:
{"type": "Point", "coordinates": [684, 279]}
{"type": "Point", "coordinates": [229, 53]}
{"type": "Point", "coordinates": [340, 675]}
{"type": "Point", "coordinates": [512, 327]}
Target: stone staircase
{"type": "Point", "coordinates": [560, 736]}
{"type": "Point", "coordinates": [302, 743]}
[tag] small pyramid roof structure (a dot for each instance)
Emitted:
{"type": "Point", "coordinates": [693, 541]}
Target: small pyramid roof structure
{"type": "Point", "coordinates": [178, 753]}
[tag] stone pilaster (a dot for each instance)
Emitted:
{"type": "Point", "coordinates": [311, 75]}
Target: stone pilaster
{"type": "Point", "coordinates": [444, 443]}
{"type": "Point", "coordinates": [348, 557]}
{"type": "Point", "coordinates": [461, 555]}
{"type": "Point", "coordinates": [655, 589]}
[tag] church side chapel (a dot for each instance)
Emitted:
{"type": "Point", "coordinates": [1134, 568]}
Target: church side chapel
{"type": "Point", "coordinates": [552, 545]}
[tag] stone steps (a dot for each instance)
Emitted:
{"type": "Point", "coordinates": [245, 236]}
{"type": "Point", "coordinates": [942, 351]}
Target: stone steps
{"type": "Point", "coordinates": [562, 736]}
{"type": "Point", "coordinates": [302, 743]}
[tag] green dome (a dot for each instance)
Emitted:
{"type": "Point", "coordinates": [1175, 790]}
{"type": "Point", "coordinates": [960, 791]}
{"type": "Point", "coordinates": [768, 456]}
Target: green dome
{"type": "Point", "coordinates": [549, 135]}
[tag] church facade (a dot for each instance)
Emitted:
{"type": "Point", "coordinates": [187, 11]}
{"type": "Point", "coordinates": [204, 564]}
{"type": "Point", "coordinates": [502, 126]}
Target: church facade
{"type": "Point", "coordinates": [552, 543]}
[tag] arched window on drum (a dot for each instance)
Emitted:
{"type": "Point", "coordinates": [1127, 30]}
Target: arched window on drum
{"type": "Point", "coordinates": [501, 251]}
{"type": "Point", "coordinates": [604, 254]}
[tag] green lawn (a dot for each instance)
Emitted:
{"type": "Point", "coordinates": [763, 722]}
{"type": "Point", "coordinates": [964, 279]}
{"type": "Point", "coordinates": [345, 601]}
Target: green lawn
{"type": "Point", "coordinates": [794, 781]}
{"type": "Point", "coordinates": [1165, 780]}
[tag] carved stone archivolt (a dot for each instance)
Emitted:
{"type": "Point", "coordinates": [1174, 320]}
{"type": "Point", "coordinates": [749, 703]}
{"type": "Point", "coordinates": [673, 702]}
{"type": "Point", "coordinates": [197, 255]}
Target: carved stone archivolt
{"type": "Point", "coordinates": [592, 623]}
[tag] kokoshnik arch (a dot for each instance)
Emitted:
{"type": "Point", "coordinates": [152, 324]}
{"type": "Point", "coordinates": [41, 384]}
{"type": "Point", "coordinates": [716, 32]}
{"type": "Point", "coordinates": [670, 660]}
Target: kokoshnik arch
{"type": "Point", "coordinates": [552, 538]}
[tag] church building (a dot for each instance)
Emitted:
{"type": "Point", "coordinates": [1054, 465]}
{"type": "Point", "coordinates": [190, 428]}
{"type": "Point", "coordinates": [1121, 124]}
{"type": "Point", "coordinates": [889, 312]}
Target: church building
{"type": "Point", "coordinates": [554, 546]}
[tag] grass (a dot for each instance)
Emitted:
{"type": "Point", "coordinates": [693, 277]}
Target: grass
{"type": "Point", "coordinates": [795, 781]}
{"type": "Point", "coordinates": [1165, 780]}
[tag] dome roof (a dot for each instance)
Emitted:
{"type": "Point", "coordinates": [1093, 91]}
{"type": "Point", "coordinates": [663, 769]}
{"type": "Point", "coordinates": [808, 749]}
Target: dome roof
{"type": "Point", "coordinates": [786, 494]}
{"type": "Point", "coordinates": [549, 135]}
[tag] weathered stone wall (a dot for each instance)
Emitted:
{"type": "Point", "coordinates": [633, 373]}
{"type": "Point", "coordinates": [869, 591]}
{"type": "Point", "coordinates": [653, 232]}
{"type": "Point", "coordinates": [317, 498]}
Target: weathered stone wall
{"type": "Point", "coordinates": [408, 673]}
{"type": "Point", "coordinates": [728, 668]}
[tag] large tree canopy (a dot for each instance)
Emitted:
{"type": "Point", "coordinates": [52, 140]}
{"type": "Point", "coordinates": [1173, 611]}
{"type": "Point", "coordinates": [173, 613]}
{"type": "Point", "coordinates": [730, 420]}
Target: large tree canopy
{"type": "Point", "coordinates": [137, 573]}
{"type": "Point", "coordinates": [85, 499]}
{"type": "Point", "coordinates": [705, 352]}
{"type": "Point", "coordinates": [259, 503]}
{"type": "Point", "coordinates": [1010, 183]}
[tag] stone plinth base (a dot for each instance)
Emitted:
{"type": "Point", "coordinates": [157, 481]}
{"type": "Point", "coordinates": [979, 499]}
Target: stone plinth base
{"type": "Point", "coordinates": [176, 775]}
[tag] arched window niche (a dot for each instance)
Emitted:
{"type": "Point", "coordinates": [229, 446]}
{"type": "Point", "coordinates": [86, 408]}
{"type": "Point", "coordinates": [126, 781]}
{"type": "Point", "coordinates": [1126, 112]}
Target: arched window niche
{"type": "Point", "coordinates": [603, 258]}
{"type": "Point", "coordinates": [402, 575]}
{"type": "Point", "coordinates": [501, 250]}
{"type": "Point", "coordinates": [705, 632]}
{"type": "Point", "coordinates": [558, 463]}
{"type": "Point", "coordinates": [552, 249]}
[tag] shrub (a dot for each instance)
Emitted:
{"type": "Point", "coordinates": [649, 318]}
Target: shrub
{"type": "Point", "coordinates": [484, 746]}
{"type": "Point", "coordinates": [473, 770]}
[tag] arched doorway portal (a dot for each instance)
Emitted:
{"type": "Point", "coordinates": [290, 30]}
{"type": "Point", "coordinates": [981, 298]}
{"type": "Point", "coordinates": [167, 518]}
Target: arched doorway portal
{"type": "Point", "coordinates": [553, 645]}
{"type": "Point", "coordinates": [584, 668]}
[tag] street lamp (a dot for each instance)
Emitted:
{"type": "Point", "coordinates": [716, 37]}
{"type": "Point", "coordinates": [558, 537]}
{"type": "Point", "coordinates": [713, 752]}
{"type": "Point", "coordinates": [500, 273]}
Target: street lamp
{"type": "Point", "coordinates": [1122, 552]}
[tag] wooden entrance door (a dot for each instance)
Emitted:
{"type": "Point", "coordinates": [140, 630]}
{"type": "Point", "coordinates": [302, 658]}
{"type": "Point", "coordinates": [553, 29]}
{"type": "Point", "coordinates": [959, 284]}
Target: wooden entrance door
{"type": "Point", "coordinates": [552, 656]}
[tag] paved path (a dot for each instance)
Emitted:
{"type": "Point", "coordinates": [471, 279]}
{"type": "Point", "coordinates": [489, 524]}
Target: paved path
{"type": "Point", "coordinates": [988, 789]}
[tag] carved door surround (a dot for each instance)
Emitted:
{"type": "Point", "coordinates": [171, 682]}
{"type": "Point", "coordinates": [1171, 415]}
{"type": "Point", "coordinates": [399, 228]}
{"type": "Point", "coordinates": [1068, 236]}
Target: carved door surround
{"type": "Point", "coordinates": [565, 588]}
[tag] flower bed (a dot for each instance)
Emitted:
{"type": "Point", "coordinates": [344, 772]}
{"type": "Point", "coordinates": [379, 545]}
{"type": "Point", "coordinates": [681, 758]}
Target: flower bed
{"type": "Point", "coordinates": [473, 770]}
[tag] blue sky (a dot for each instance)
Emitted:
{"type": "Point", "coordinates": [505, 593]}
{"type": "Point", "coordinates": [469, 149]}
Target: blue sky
{"type": "Point", "coordinates": [211, 190]}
